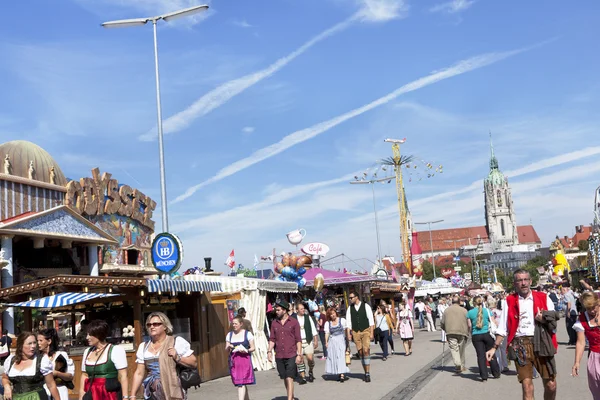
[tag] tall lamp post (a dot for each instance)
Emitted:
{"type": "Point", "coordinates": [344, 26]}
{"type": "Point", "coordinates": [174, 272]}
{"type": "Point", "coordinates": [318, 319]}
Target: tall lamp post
{"type": "Point", "coordinates": [125, 23]}
{"type": "Point", "coordinates": [372, 183]}
{"type": "Point", "coordinates": [430, 240]}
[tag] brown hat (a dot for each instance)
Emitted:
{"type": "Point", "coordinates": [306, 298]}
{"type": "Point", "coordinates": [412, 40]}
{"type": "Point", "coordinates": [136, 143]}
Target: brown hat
{"type": "Point", "coordinates": [283, 304]}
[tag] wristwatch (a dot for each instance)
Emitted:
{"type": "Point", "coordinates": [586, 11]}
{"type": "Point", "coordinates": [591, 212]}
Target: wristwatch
{"type": "Point", "coordinates": [495, 346]}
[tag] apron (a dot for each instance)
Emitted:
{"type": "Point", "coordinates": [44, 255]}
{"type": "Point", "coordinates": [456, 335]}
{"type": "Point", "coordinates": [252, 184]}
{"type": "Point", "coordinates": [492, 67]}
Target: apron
{"type": "Point", "coordinates": [240, 364]}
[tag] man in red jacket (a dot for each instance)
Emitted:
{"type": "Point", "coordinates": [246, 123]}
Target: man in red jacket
{"type": "Point", "coordinates": [520, 311]}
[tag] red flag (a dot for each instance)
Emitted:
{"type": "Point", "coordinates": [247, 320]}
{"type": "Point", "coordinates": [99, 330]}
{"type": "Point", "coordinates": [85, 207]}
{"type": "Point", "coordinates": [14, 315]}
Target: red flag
{"type": "Point", "coordinates": [230, 262]}
{"type": "Point", "coordinates": [394, 277]}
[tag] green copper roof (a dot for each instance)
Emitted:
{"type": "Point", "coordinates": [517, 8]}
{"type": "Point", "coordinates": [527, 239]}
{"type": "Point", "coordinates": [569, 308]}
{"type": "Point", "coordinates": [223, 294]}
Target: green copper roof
{"type": "Point", "coordinates": [495, 177]}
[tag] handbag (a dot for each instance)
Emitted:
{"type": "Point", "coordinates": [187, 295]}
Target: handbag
{"type": "Point", "coordinates": [377, 332]}
{"type": "Point", "coordinates": [493, 326]}
{"type": "Point", "coordinates": [188, 377]}
{"type": "Point", "coordinates": [88, 395]}
{"type": "Point", "coordinates": [4, 352]}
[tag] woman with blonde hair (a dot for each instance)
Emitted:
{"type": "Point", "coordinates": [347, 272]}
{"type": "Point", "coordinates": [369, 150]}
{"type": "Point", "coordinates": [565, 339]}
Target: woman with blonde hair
{"type": "Point", "coordinates": [478, 319]}
{"type": "Point", "coordinates": [157, 361]}
{"type": "Point", "coordinates": [588, 327]}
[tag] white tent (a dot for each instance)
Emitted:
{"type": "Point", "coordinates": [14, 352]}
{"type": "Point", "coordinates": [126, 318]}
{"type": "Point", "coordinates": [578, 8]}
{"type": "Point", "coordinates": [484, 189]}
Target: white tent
{"type": "Point", "coordinates": [254, 299]}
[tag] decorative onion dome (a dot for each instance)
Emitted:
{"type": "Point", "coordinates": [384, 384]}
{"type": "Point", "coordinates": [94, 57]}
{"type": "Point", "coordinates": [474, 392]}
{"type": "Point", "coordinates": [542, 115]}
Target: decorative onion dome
{"type": "Point", "coordinates": [28, 160]}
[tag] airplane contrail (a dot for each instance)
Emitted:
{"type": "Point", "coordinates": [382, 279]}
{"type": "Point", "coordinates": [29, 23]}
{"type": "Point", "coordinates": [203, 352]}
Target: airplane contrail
{"type": "Point", "coordinates": [302, 135]}
{"type": "Point", "coordinates": [371, 11]}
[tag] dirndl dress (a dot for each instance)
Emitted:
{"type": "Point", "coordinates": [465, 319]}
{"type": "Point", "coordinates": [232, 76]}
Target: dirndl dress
{"type": "Point", "coordinates": [406, 328]}
{"type": "Point", "coordinates": [240, 363]}
{"type": "Point", "coordinates": [336, 350]}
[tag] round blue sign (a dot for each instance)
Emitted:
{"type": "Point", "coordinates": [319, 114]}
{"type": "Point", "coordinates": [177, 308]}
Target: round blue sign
{"type": "Point", "coordinates": [167, 253]}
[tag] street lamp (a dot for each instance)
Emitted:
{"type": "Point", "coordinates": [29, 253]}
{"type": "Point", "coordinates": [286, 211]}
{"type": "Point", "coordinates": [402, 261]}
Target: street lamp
{"type": "Point", "coordinates": [430, 240]}
{"type": "Point", "coordinates": [372, 183]}
{"type": "Point", "coordinates": [126, 23]}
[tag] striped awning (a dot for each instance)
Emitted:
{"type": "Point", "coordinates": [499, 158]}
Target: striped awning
{"type": "Point", "coordinates": [61, 300]}
{"type": "Point", "coordinates": [176, 285]}
{"type": "Point", "coordinates": [234, 284]}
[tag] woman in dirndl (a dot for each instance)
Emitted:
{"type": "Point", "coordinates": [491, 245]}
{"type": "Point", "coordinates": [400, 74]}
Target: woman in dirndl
{"type": "Point", "coordinates": [405, 327]}
{"type": "Point", "coordinates": [157, 361]}
{"type": "Point", "coordinates": [26, 372]}
{"type": "Point", "coordinates": [588, 327]}
{"type": "Point", "coordinates": [335, 341]}
{"type": "Point", "coordinates": [63, 366]}
{"type": "Point", "coordinates": [104, 366]}
{"type": "Point", "coordinates": [240, 344]}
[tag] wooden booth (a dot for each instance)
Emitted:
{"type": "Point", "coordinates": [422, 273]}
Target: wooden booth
{"type": "Point", "coordinates": [62, 301]}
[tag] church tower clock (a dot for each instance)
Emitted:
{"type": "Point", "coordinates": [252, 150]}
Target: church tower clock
{"type": "Point", "coordinates": [500, 218]}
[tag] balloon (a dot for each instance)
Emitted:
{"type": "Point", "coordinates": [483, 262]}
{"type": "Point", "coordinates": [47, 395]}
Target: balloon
{"type": "Point", "coordinates": [302, 283]}
{"type": "Point", "coordinates": [292, 261]}
{"type": "Point", "coordinates": [286, 260]}
{"type": "Point", "coordinates": [303, 261]}
{"type": "Point", "coordinates": [318, 282]}
{"type": "Point", "coordinates": [301, 271]}
{"type": "Point", "coordinates": [279, 267]}
{"type": "Point", "coordinates": [289, 273]}
{"type": "Point", "coordinates": [280, 278]}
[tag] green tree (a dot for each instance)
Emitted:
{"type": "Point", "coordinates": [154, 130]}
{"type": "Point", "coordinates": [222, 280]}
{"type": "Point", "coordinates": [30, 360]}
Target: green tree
{"type": "Point", "coordinates": [532, 266]}
{"type": "Point", "coordinates": [583, 245]}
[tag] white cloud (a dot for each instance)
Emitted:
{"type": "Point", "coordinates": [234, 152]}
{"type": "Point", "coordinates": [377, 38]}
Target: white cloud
{"type": "Point", "coordinates": [382, 10]}
{"type": "Point", "coordinates": [371, 10]}
{"type": "Point", "coordinates": [242, 24]}
{"type": "Point", "coordinates": [302, 135]}
{"type": "Point", "coordinates": [248, 129]}
{"type": "Point", "coordinates": [452, 7]}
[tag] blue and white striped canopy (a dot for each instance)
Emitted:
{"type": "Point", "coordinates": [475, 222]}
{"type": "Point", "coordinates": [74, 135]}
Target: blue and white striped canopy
{"type": "Point", "coordinates": [61, 300]}
{"type": "Point", "coordinates": [176, 285]}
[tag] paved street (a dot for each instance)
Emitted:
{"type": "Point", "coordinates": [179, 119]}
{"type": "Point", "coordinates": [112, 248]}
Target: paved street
{"type": "Point", "coordinates": [419, 376]}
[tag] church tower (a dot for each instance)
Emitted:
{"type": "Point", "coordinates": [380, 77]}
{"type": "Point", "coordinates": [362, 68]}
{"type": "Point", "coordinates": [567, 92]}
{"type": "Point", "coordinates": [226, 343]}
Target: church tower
{"type": "Point", "coordinates": [500, 218]}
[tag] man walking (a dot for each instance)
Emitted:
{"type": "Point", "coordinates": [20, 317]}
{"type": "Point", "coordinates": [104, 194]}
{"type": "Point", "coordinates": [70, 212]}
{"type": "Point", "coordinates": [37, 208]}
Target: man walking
{"type": "Point", "coordinates": [420, 307]}
{"type": "Point", "coordinates": [308, 333]}
{"type": "Point", "coordinates": [359, 321]}
{"type": "Point", "coordinates": [570, 312]}
{"type": "Point", "coordinates": [522, 314]}
{"type": "Point", "coordinates": [286, 340]}
{"type": "Point", "coordinates": [434, 310]}
{"type": "Point", "coordinates": [454, 323]}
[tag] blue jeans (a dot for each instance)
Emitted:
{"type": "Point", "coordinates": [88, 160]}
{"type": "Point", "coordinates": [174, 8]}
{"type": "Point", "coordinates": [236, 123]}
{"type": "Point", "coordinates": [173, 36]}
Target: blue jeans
{"type": "Point", "coordinates": [421, 320]}
{"type": "Point", "coordinates": [322, 338]}
{"type": "Point", "coordinates": [384, 342]}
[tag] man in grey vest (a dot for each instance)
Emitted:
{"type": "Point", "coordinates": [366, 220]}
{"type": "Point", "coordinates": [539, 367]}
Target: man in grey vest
{"type": "Point", "coordinates": [359, 321]}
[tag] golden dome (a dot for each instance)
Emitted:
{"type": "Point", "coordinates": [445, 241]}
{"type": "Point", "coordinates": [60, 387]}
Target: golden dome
{"type": "Point", "coordinates": [21, 154]}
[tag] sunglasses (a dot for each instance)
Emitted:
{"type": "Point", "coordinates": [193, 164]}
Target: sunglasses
{"type": "Point", "coordinates": [153, 324]}
{"type": "Point", "coordinates": [351, 297]}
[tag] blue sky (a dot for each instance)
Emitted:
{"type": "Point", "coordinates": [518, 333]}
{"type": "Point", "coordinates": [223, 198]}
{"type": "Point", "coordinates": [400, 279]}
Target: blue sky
{"type": "Point", "coordinates": [270, 108]}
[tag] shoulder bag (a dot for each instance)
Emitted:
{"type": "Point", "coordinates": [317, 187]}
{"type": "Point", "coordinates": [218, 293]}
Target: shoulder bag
{"type": "Point", "coordinates": [493, 326]}
{"type": "Point", "coordinates": [88, 395]}
{"type": "Point", "coordinates": [377, 331]}
{"type": "Point", "coordinates": [189, 377]}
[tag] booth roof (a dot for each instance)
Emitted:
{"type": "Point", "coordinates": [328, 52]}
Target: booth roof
{"type": "Point", "coordinates": [335, 278]}
{"type": "Point", "coordinates": [234, 284]}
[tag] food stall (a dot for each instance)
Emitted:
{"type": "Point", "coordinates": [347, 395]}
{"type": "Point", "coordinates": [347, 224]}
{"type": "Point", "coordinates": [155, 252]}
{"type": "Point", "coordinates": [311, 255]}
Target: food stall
{"type": "Point", "coordinates": [124, 303]}
{"type": "Point", "coordinates": [252, 294]}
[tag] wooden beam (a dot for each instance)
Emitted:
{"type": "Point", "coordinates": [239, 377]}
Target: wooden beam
{"type": "Point", "coordinates": [137, 322]}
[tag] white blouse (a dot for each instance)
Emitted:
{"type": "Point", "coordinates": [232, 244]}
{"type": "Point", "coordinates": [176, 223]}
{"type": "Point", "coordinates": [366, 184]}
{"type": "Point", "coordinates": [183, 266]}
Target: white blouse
{"type": "Point", "coordinates": [340, 321]}
{"type": "Point", "coordinates": [46, 367]}
{"type": "Point", "coordinates": [182, 347]}
{"type": "Point", "coordinates": [117, 356]}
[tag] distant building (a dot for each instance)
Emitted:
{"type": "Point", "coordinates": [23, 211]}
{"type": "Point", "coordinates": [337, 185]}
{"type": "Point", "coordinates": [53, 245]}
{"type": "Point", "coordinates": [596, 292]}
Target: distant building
{"type": "Point", "coordinates": [500, 240]}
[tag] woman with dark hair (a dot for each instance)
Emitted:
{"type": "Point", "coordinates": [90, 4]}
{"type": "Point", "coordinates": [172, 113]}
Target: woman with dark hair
{"type": "Point", "coordinates": [104, 366]}
{"type": "Point", "coordinates": [26, 372]}
{"type": "Point", "coordinates": [64, 369]}
{"type": "Point", "coordinates": [157, 361]}
{"type": "Point", "coordinates": [240, 344]}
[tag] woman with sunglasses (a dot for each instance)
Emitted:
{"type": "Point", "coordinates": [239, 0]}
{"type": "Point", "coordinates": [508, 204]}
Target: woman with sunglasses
{"type": "Point", "coordinates": [157, 361]}
{"type": "Point", "coordinates": [64, 369]}
{"type": "Point", "coordinates": [587, 327]}
{"type": "Point", "coordinates": [104, 366]}
{"type": "Point", "coordinates": [26, 372]}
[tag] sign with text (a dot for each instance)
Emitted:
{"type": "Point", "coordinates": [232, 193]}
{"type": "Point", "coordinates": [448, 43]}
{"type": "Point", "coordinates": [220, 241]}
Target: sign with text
{"type": "Point", "coordinates": [167, 253]}
{"type": "Point", "coordinates": [315, 249]}
{"type": "Point", "coordinates": [102, 195]}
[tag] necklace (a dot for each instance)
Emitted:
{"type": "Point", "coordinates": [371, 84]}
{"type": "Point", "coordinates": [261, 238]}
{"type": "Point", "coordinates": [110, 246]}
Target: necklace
{"type": "Point", "coordinates": [156, 346]}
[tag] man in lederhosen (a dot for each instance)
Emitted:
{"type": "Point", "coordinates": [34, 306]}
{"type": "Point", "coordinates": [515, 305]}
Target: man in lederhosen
{"type": "Point", "coordinates": [359, 321]}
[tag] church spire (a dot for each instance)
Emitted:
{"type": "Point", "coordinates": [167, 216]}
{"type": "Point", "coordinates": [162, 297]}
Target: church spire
{"type": "Point", "coordinates": [493, 159]}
